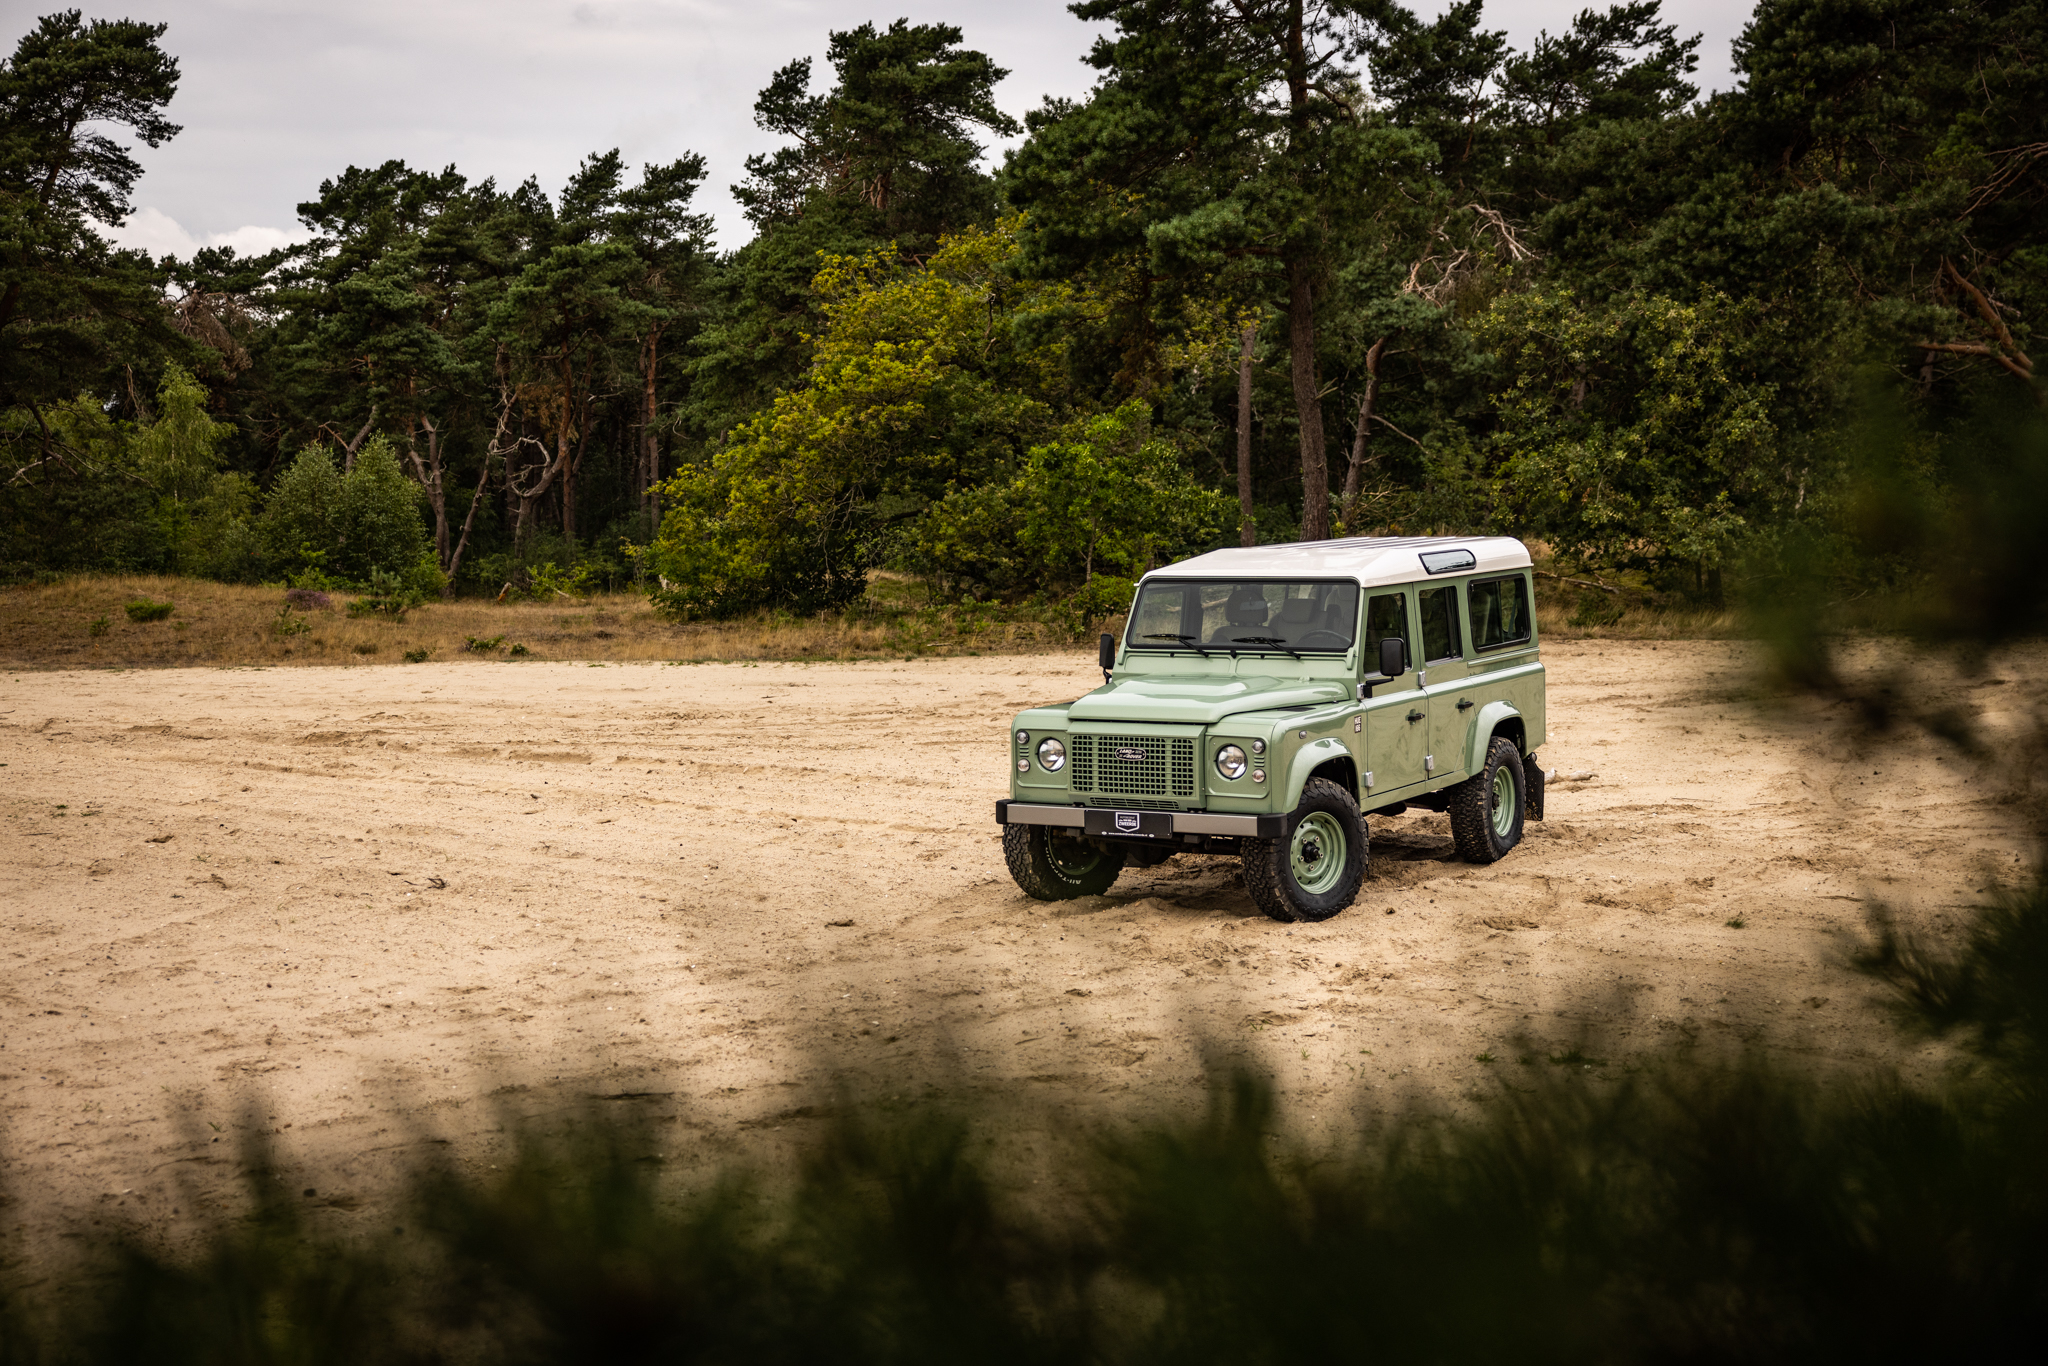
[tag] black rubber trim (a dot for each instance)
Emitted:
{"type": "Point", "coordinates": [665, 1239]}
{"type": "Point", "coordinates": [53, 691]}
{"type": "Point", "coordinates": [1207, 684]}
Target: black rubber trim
{"type": "Point", "coordinates": [1003, 811]}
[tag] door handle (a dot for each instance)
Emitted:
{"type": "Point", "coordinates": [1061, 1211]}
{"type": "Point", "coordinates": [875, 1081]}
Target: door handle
{"type": "Point", "coordinates": [1413, 717]}
{"type": "Point", "coordinates": [1465, 704]}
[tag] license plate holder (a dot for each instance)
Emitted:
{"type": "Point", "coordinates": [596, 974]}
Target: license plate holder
{"type": "Point", "coordinates": [1126, 824]}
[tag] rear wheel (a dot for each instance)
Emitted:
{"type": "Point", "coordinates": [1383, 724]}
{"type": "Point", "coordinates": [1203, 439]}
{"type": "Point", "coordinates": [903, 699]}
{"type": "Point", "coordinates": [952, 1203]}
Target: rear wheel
{"type": "Point", "coordinates": [1316, 868]}
{"type": "Point", "coordinates": [1052, 864]}
{"type": "Point", "coordinates": [1486, 809]}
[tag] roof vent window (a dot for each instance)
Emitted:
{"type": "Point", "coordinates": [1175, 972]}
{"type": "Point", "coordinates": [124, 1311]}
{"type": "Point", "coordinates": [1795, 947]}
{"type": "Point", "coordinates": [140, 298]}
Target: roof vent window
{"type": "Point", "coordinates": [1447, 561]}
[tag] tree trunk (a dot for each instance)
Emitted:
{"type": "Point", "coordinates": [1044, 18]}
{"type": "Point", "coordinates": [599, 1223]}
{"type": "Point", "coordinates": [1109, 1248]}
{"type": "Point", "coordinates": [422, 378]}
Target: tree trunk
{"type": "Point", "coordinates": [349, 449]}
{"type": "Point", "coordinates": [1301, 311]}
{"type": "Point", "coordinates": [454, 560]}
{"type": "Point", "coordinates": [1247, 529]}
{"type": "Point", "coordinates": [430, 476]}
{"type": "Point", "coordinates": [650, 442]}
{"type": "Point", "coordinates": [1308, 403]}
{"type": "Point", "coordinates": [1362, 435]}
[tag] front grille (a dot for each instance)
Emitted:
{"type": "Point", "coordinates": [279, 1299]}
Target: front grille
{"type": "Point", "coordinates": [1133, 804]}
{"type": "Point", "coordinates": [1133, 766]}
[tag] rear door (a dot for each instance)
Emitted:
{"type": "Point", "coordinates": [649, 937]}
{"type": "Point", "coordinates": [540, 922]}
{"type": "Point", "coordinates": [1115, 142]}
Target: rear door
{"type": "Point", "coordinates": [1443, 667]}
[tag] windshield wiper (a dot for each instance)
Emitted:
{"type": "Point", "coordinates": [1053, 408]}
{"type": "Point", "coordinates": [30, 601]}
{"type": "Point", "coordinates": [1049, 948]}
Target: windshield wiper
{"type": "Point", "coordinates": [1192, 642]}
{"type": "Point", "coordinates": [1264, 640]}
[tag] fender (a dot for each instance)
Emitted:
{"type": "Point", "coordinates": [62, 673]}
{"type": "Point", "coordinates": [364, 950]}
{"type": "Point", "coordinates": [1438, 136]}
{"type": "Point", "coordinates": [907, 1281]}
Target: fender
{"type": "Point", "coordinates": [1306, 761]}
{"type": "Point", "coordinates": [1490, 717]}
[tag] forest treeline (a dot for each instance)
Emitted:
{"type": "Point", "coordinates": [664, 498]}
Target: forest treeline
{"type": "Point", "coordinates": [1292, 269]}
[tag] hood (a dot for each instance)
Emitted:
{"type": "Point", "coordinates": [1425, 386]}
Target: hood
{"type": "Point", "coordinates": [1199, 701]}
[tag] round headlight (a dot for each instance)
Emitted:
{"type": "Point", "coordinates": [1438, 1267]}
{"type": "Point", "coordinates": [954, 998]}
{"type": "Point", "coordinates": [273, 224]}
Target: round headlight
{"type": "Point", "coordinates": [1052, 755]}
{"type": "Point", "coordinates": [1023, 738]}
{"type": "Point", "coordinates": [1258, 746]}
{"type": "Point", "coordinates": [1230, 761]}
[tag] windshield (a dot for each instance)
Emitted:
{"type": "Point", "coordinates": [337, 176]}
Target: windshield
{"type": "Point", "coordinates": [1245, 615]}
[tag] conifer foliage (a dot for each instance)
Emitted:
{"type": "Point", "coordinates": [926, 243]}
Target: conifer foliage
{"type": "Point", "coordinates": [1426, 279]}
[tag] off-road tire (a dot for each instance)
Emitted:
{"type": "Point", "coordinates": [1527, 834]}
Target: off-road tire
{"type": "Point", "coordinates": [1049, 864]}
{"type": "Point", "coordinates": [1487, 809]}
{"type": "Point", "coordinates": [1292, 878]}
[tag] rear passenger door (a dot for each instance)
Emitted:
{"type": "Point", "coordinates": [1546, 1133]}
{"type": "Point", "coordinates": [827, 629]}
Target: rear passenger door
{"type": "Point", "coordinates": [1442, 660]}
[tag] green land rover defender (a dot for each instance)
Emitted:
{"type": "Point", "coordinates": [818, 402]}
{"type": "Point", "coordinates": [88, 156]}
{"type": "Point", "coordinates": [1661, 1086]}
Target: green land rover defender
{"type": "Point", "coordinates": [1263, 701]}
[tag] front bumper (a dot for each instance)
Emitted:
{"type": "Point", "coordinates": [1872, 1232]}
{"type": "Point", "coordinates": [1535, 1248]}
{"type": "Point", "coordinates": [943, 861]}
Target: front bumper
{"type": "Point", "coordinates": [1138, 825]}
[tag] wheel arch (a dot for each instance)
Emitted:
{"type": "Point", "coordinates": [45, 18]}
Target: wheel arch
{"type": "Point", "coordinates": [1496, 718]}
{"type": "Point", "coordinates": [1339, 767]}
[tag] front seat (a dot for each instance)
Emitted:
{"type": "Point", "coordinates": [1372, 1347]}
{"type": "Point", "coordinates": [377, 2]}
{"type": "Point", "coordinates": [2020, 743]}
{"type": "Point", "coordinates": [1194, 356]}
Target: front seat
{"type": "Point", "coordinates": [1244, 615]}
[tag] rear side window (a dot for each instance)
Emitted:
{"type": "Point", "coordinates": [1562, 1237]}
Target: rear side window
{"type": "Point", "coordinates": [1440, 624]}
{"type": "Point", "coordinates": [1500, 612]}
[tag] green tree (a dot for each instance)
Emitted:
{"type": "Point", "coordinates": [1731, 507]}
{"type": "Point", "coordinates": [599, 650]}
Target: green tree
{"type": "Point", "coordinates": [1111, 493]}
{"type": "Point", "coordinates": [1627, 436]}
{"type": "Point", "coordinates": [1223, 137]}
{"type": "Point", "coordinates": [74, 313]}
{"type": "Point", "coordinates": [887, 156]}
{"type": "Point", "coordinates": [927, 384]}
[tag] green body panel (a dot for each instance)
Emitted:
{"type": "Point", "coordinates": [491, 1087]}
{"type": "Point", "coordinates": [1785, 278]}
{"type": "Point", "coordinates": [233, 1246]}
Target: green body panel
{"type": "Point", "coordinates": [1409, 739]}
{"type": "Point", "coordinates": [1199, 700]}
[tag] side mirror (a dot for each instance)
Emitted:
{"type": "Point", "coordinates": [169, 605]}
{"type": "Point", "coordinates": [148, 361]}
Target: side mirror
{"type": "Point", "coordinates": [1105, 653]}
{"type": "Point", "coordinates": [1393, 656]}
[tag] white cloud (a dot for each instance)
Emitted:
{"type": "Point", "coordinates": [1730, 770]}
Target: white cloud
{"type": "Point", "coordinates": [156, 232]}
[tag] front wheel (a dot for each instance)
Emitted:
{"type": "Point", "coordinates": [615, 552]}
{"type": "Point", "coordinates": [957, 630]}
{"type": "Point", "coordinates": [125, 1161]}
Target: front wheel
{"type": "Point", "coordinates": [1314, 871]}
{"type": "Point", "coordinates": [1486, 809]}
{"type": "Point", "coordinates": [1050, 864]}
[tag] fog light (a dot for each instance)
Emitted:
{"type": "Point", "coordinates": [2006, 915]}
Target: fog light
{"type": "Point", "coordinates": [1230, 761]}
{"type": "Point", "coordinates": [1023, 738]}
{"type": "Point", "coordinates": [1052, 755]}
{"type": "Point", "coordinates": [1258, 746]}
{"type": "Point", "coordinates": [1258, 775]}
{"type": "Point", "coordinates": [1023, 765]}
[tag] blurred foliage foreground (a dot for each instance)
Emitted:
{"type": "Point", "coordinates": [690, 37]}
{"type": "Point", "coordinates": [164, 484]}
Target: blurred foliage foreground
{"type": "Point", "coordinates": [1697, 1211]}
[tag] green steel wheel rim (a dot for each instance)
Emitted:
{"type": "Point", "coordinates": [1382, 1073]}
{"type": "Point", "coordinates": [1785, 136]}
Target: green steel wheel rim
{"type": "Point", "coordinates": [1503, 802]}
{"type": "Point", "coordinates": [1317, 853]}
{"type": "Point", "coordinates": [1071, 857]}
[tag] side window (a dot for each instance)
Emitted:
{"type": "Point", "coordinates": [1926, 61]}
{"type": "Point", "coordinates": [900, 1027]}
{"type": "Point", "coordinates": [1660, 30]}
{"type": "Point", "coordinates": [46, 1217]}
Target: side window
{"type": "Point", "coordinates": [1386, 614]}
{"type": "Point", "coordinates": [1440, 624]}
{"type": "Point", "coordinates": [1500, 612]}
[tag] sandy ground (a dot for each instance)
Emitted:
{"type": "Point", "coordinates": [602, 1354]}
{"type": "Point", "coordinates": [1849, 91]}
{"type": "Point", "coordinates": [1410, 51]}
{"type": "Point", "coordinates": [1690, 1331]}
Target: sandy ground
{"type": "Point", "coordinates": [362, 910]}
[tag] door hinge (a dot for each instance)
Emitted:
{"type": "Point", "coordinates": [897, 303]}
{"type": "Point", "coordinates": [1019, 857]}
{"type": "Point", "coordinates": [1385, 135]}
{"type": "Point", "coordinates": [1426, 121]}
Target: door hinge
{"type": "Point", "coordinates": [1368, 777]}
{"type": "Point", "coordinates": [1429, 763]}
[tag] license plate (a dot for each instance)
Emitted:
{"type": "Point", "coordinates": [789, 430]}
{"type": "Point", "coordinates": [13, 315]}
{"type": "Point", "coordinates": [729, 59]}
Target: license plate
{"type": "Point", "coordinates": [1156, 824]}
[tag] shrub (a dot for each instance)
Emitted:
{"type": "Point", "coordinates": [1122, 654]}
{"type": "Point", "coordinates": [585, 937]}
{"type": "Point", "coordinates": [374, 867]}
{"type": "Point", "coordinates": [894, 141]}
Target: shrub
{"type": "Point", "coordinates": [142, 609]}
{"type": "Point", "coordinates": [323, 528]}
{"type": "Point", "coordinates": [389, 596]}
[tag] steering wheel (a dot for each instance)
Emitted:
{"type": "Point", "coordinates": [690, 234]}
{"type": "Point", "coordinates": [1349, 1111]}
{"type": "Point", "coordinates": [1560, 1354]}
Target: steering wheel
{"type": "Point", "coordinates": [1330, 640]}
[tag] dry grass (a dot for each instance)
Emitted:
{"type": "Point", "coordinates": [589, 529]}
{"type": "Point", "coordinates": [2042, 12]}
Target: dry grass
{"type": "Point", "coordinates": [51, 626]}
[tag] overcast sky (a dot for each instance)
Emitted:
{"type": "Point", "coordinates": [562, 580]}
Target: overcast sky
{"type": "Point", "coordinates": [278, 95]}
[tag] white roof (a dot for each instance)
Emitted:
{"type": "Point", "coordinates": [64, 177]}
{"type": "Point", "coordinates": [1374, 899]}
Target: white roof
{"type": "Point", "coordinates": [1372, 560]}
